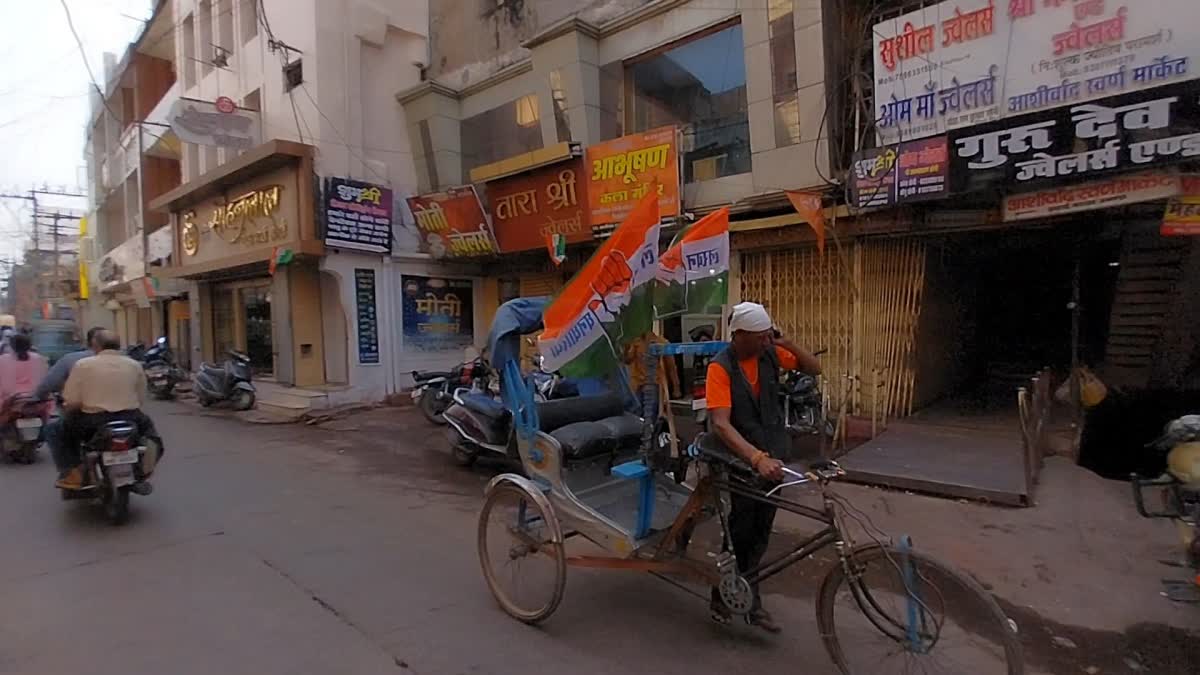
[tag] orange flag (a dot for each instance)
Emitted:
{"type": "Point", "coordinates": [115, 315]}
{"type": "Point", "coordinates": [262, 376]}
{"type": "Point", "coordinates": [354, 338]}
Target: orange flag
{"type": "Point", "coordinates": [808, 205]}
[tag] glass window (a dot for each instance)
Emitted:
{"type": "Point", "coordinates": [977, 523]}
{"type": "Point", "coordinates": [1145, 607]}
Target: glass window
{"type": "Point", "coordinates": [782, 34]}
{"type": "Point", "coordinates": [501, 132]}
{"type": "Point", "coordinates": [699, 85]}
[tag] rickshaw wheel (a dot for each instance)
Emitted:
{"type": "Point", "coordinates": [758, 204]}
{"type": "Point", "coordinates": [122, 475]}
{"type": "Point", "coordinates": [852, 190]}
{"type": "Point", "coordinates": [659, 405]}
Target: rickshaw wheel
{"type": "Point", "coordinates": [520, 552]}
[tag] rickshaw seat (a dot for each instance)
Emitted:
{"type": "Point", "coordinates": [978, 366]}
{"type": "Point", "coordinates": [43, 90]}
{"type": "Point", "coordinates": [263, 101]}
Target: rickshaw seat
{"type": "Point", "coordinates": [563, 411]}
{"type": "Point", "coordinates": [589, 426]}
{"type": "Point", "coordinates": [584, 440]}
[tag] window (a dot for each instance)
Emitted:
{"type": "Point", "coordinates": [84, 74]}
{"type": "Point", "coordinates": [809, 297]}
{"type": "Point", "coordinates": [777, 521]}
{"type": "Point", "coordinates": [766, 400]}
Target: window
{"type": "Point", "coordinates": [189, 52]}
{"type": "Point", "coordinates": [225, 37]}
{"type": "Point", "coordinates": [206, 38]}
{"type": "Point", "coordinates": [293, 75]}
{"type": "Point", "coordinates": [501, 132]}
{"type": "Point", "coordinates": [248, 19]}
{"type": "Point", "coordinates": [699, 85]}
{"type": "Point", "coordinates": [781, 31]}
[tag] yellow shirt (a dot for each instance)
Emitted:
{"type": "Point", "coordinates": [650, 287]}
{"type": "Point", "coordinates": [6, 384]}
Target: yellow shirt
{"type": "Point", "coordinates": [106, 382]}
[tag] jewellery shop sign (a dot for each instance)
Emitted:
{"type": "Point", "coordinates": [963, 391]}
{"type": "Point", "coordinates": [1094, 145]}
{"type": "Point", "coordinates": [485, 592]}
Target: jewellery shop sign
{"type": "Point", "coordinates": [1121, 133]}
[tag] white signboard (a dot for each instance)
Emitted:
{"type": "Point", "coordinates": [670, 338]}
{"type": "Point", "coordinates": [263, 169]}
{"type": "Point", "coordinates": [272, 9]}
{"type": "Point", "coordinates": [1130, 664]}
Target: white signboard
{"type": "Point", "coordinates": [206, 123]}
{"type": "Point", "coordinates": [1116, 191]}
{"type": "Point", "coordinates": [966, 62]}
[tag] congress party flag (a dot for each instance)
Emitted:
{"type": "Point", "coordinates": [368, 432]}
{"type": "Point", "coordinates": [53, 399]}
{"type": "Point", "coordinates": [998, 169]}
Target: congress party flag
{"type": "Point", "coordinates": [609, 303]}
{"type": "Point", "coordinates": [693, 273]}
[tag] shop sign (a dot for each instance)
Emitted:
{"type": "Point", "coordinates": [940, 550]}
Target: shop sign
{"type": "Point", "coordinates": [910, 172]}
{"type": "Point", "coordinates": [438, 313]}
{"type": "Point", "coordinates": [1133, 131]}
{"type": "Point", "coordinates": [527, 209]}
{"type": "Point", "coordinates": [207, 123]}
{"type": "Point", "coordinates": [367, 319]}
{"type": "Point", "coordinates": [259, 214]}
{"type": "Point", "coordinates": [1183, 212]}
{"type": "Point", "coordinates": [1115, 191]}
{"type": "Point", "coordinates": [122, 264]}
{"type": "Point", "coordinates": [623, 170]}
{"type": "Point", "coordinates": [358, 215]}
{"type": "Point", "coordinates": [452, 223]}
{"type": "Point", "coordinates": [966, 62]}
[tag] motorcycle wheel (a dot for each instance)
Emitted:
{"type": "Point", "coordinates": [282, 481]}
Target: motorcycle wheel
{"type": "Point", "coordinates": [431, 407]}
{"type": "Point", "coordinates": [116, 507]}
{"type": "Point", "coordinates": [28, 453]}
{"type": "Point", "coordinates": [459, 452]}
{"type": "Point", "coordinates": [243, 400]}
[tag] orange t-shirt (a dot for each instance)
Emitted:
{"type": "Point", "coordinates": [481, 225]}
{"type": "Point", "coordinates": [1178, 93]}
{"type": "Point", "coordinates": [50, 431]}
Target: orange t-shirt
{"type": "Point", "coordinates": [718, 389]}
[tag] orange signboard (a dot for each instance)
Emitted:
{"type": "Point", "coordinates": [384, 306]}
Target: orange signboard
{"type": "Point", "coordinates": [527, 208]}
{"type": "Point", "coordinates": [623, 170]}
{"type": "Point", "coordinates": [452, 223]}
{"type": "Point", "coordinates": [1183, 213]}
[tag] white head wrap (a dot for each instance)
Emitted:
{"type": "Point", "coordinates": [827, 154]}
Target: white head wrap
{"type": "Point", "coordinates": [749, 316]}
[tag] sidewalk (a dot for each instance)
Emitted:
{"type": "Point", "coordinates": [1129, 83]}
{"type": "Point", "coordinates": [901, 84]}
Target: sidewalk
{"type": "Point", "coordinates": [1079, 571]}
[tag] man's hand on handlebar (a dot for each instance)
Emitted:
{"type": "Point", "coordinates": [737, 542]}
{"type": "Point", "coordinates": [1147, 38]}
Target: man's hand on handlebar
{"type": "Point", "coordinates": [768, 467]}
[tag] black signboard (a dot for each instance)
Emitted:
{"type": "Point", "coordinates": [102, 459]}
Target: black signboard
{"type": "Point", "coordinates": [907, 172]}
{"type": "Point", "coordinates": [1131, 132]}
{"type": "Point", "coordinates": [358, 215]}
{"type": "Point", "coordinates": [368, 318]}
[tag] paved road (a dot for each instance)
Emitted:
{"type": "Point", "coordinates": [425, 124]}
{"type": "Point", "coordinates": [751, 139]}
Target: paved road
{"type": "Point", "coordinates": [284, 549]}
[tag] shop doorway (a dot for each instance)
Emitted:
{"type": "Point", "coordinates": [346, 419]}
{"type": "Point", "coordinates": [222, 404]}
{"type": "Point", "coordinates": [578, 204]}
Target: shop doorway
{"type": "Point", "coordinates": [256, 312]}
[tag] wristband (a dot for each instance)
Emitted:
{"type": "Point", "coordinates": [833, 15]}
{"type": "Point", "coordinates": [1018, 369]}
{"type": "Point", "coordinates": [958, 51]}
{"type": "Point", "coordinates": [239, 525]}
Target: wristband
{"type": "Point", "coordinates": [757, 458]}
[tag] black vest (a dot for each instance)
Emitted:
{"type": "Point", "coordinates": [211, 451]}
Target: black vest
{"type": "Point", "coordinates": [759, 420]}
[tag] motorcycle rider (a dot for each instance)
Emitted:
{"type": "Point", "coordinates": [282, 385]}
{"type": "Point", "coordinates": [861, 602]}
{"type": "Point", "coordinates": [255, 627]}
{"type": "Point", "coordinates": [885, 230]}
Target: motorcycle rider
{"type": "Point", "coordinates": [20, 371]}
{"type": "Point", "coordinates": [53, 383]}
{"type": "Point", "coordinates": [742, 391]}
{"type": "Point", "coordinates": [103, 388]}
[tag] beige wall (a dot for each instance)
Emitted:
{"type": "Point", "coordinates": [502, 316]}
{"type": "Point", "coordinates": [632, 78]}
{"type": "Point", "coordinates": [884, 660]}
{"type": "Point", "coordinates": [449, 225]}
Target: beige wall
{"type": "Point", "coordinates": [304, 305]}
{"type": "Point", "coordinates": [574, 57]}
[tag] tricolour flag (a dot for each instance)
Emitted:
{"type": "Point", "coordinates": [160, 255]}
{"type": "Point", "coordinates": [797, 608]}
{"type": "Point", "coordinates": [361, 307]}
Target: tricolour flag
{"type": "Point", "coordinates": [693, 273]}
{"type": "Point", "coordinates": [556, 244]}
{"type": "Point", "coordinates": [608, 303]}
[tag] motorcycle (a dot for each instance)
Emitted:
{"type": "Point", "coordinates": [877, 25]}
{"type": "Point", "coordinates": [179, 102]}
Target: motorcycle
{"type": "Point", "coordinates": [116, 462]}
{"type": "Point", "coordinates": [229, 381]}
{"type": "Point", "coordinates": [803, 405]}
{"type": "Point", "coordinates": [22, 433]}
{"type": "Point", "coordinates": [1180, 491]}
{"type": "Point", "coordinates": [161, 372]}
{"type": "Point", "coordinates": [434, 389]}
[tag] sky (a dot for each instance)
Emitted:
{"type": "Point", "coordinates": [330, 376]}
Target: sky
{"type": "Point", "coordinates": [43, 97]}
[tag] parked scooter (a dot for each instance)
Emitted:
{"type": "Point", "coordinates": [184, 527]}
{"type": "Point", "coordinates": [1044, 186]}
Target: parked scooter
{"type": "Point", "coordinates": [22, 433]}
{"type": "Point", "coordinates": [229, 381]}
{"type": "Point", "coordinates": [116, 462]}
{"type": "Point", "coordinates": [1180, 488]}
{"type": "Point", "coordinates": [162, 374]}
{"type": "Point", "coordinates": [434, 389]}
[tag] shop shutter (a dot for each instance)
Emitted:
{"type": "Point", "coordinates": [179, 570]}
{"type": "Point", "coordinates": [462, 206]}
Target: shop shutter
{"type": "Point", "coordinates": [861, 307]}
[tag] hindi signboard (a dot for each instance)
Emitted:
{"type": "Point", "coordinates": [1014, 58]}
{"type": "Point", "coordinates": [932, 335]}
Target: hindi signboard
{"type": "Point", "coordinates": [908, 172]}
{"type": "Point", "coordinates": [204, 123]}
{"type": "Point", "coordinates": [621, 171]}
{"type": "Point", "coordinates": [967, 62]}
{"type": "Point", "coordinates": [527, 208]}
{"type": "Point", "coordinates": [452, 223]}
{"type": "Point", "coordinates": [365, 313]}
{"type": "Point", "coordinates": [438, 313]}
{"type": "Point", "coordinates": [358, 215]}
{"type": "Point", "coordinates": [1130, 132]}
{"type": "Point", "coordinates": [1115, 191]}
{"type": "Point", "coordinates": [1183, 213]}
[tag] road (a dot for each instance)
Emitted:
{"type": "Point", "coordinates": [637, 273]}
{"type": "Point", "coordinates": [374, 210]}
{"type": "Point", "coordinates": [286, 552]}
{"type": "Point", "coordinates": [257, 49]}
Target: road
{"type": "Point", "coordinates": [293, 549]}
{"type": "Point", "coordinates": [285, 549]}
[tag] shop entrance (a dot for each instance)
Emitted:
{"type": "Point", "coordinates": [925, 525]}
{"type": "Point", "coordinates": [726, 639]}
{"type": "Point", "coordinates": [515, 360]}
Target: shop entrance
{"type": "Point", "coordinates": [997, 308]}
{"type": "Point", "coordinates": [241, 319]}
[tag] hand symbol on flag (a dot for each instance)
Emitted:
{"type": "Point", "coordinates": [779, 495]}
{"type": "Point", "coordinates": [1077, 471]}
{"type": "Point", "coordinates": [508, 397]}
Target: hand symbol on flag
{"type": "Point", "coordinates": [614, 278]}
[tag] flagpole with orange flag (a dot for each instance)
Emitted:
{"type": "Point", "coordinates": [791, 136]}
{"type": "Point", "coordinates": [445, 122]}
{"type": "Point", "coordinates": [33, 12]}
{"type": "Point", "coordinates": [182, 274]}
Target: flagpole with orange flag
{"type": "Point", "coordinates": [810, 208]}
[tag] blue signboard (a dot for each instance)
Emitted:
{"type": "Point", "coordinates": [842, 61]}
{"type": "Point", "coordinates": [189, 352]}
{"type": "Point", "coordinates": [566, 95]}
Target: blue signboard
{"type": "Point", "coordinates": [368, 318]}
{"type": "Point", "coordinates": [438, 313]}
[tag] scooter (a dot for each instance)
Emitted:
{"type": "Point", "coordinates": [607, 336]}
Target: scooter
{"type": "Point", "coordinates": [161, 372]}
{"type": "Point", "coordinates": [117, 461]}
{"type": "Point", "coordinates": [227, 382]}
{"type": "Point", "coordinates": [1180, 491]}
{"type": "Point", "coordinates": [22, 434]}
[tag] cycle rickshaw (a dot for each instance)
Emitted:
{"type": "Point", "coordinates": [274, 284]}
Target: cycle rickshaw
{"type": "Point", "coordinates": [882, 607]}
